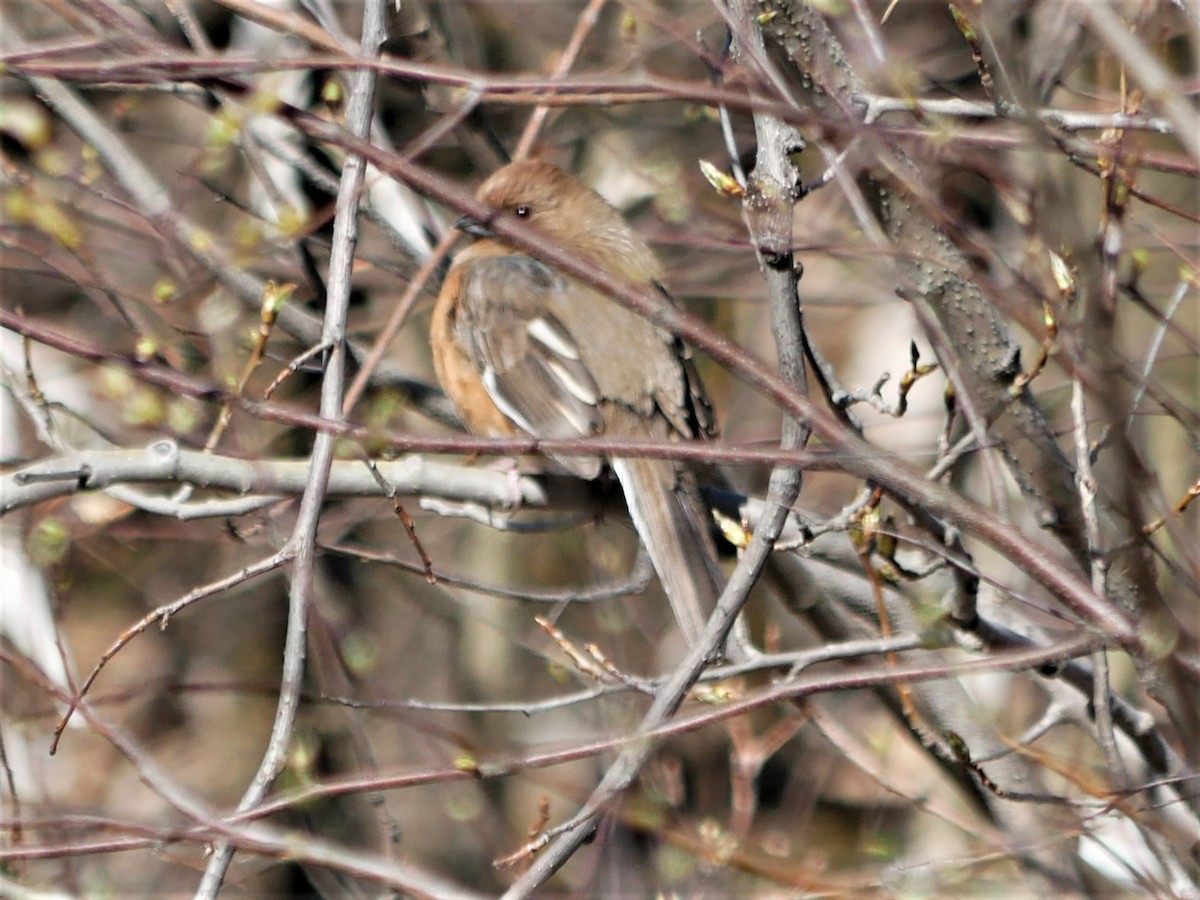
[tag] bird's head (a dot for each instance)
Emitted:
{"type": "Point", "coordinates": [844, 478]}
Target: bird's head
{"type": "Point", "coordinates": [568, 212]}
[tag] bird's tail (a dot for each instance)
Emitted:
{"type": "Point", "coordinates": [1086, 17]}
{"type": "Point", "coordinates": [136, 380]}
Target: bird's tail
{"type": "Point", "coordinates": [673, 523]}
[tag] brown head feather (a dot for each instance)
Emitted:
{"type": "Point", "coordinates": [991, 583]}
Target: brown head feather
{"type": "Point", "coordinates": [568, 212]}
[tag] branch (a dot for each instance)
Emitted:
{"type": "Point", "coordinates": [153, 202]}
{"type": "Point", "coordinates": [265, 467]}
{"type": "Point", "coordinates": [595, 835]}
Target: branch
{"type": "Point", "coordinates": [304, 536]}
{"type": "Point", "coordinates": [268, 480]}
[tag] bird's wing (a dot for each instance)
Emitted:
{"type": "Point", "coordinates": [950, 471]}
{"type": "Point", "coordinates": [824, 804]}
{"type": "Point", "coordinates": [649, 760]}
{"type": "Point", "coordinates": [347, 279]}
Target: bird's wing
{"type": "Point", "coordinates": [563, 361]}
{"type": "Point", "coordinates": [528, 361]}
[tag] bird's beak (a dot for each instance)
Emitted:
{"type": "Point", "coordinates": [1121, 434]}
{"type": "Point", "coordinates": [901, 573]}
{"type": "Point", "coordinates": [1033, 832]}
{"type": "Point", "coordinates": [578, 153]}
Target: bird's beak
{"type": "Point", "coordinates": [472, 227]}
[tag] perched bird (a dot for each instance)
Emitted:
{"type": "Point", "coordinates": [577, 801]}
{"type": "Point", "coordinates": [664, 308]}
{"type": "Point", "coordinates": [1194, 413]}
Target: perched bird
{"type": "Point", "coordinates": [522, 348]}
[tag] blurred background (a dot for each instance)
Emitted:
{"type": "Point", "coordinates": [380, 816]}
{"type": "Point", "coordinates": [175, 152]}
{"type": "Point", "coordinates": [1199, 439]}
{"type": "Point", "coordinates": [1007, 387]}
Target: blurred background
{"type": "Point", "coordinates": [414, 689]}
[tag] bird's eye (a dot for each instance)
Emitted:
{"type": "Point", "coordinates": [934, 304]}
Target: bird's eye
{"type": "Point", "coordinates": [523, 212]}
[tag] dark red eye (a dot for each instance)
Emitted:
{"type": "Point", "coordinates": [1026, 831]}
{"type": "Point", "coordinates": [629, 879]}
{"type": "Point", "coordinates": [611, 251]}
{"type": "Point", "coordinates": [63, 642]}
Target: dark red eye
{"type": "Point", "coordinates": [523, 212]}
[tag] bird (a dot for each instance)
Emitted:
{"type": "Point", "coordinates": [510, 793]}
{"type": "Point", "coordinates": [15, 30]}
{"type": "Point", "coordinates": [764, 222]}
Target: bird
{"type": "Point", "coordinates": [522, 348]}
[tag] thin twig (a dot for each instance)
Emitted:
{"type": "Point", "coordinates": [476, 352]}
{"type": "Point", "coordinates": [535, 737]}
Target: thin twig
{"type": "Point", "coordinates": [583, 27]}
